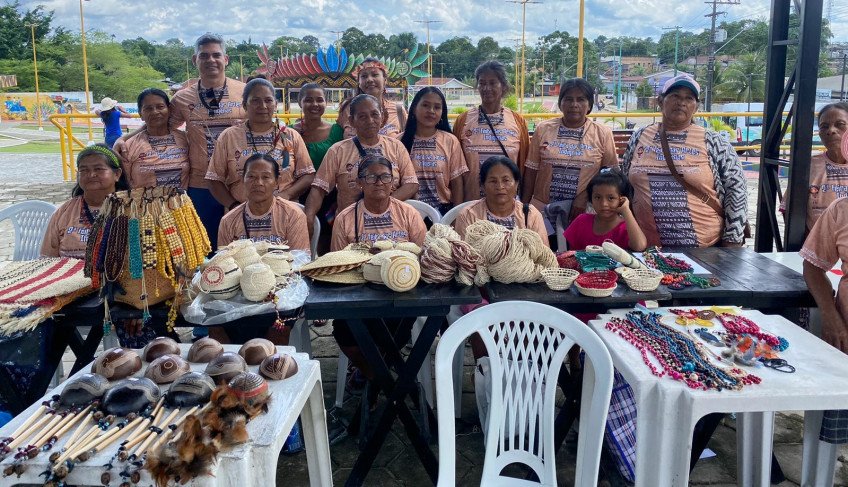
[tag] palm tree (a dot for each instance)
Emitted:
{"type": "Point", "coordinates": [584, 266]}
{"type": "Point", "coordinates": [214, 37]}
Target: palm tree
{"type": "Point", "coordinates": [744, 79]}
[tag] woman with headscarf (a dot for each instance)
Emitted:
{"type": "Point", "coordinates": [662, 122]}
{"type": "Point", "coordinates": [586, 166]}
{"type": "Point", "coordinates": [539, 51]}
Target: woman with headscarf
{"type": "Point", "coordinates": [491, 129]}
{"type": "Point", "coordinates": [371, 79]}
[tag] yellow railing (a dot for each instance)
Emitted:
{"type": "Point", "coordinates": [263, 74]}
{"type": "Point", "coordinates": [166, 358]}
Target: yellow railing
{"type": "Point", "coordinates": [68, 143]}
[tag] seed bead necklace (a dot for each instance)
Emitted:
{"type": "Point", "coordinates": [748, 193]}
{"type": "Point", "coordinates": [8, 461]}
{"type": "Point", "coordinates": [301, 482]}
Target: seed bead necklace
{"type": "Point", "coordinates": [740, 325]}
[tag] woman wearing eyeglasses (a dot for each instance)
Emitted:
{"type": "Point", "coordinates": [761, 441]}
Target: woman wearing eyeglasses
{"type": "Point", "coordinates": [260, 134]}
{"type": "Point", "coordinates": [376, 216]}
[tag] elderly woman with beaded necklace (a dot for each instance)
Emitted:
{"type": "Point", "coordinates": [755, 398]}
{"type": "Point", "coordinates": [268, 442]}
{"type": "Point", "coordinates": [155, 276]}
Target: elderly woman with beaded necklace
{"type": "Point", "coordinates": [259, 134]}
{"type": "Point", "coordinates": [99, 174]}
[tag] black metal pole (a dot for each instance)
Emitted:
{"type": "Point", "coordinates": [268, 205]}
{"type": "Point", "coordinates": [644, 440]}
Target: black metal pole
{"type": "Point", "coordinates": [842, 88]}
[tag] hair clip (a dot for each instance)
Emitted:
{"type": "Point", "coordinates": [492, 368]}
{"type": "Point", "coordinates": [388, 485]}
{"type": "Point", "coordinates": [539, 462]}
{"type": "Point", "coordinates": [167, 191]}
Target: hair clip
{"type": "Point", "coordinates": [778, 364]}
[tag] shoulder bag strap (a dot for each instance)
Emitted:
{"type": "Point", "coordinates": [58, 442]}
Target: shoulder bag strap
{"type": "Point", "coordinates": [706, 199]}
{"type": "Point", "coordinates": [356, 221]}
{"type": "Point", "coordinates": [526, 209]}
{"type": "Point", "coordinates": [358, 144]}
{"type": "Point", "coordinates": [493, 131]}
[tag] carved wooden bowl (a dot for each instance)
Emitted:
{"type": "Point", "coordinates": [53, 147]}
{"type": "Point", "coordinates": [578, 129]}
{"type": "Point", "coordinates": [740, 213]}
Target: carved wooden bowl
{"type": "Point", "coordinates": [250, 387]}
{"type": "Point", "coordinates": [160, 346]}
{"type": "Point", "coordinates": [191, 389]}
{"type": "Point", "coordinates": [278, 366]}
{"type": "Point", "coordinates": [255, 350]}
{"type": "Point", "coordinates": [204, 350]}
{"type": "Point", "coordinates": [117, 363]}
{"type": "Point", "coordinates": [130, 396]}
{"type": "Point", "coordinates": [83, 390]}
{"type": "Point", "coordinates": [166, 369]}
{"type": "Point", "coordinates": [226, 366]}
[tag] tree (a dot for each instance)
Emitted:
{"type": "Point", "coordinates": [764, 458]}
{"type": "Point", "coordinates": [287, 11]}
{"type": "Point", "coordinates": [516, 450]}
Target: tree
{"type": "Point", "coordinates": [15, 36]}
{"type": "Point", "coordinates": [461, 54]}
{"type": "Point", "coordinates": [743, 80]}
{"type": "Point", "coordinates": [644, 90]}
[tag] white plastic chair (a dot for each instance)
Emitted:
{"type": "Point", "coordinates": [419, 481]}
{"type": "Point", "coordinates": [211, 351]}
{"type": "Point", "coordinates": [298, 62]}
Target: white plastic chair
{"type": "Point", "coordinates": [29, 220]}
{"type": "Point", "coordinates": [425, 210]}
{"type": "Point", "coordinates": [527, 344]}
{"type": "Point", "coordinates": [299, 337]}
{"type": "Point", "coordinates": [450, 216]}
{"type": "Point", "coordinates": [455, 313]}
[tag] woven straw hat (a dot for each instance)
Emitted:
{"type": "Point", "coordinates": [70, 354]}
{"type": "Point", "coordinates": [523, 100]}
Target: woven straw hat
{"type": "Point", "coordinates": [257, 280]}
{"type": "Point", "coordinates": [335, 262]}
{"type": "Point", "coordinates": [353, 276]}
{"type": "Point", "coordinates": [220, 279]}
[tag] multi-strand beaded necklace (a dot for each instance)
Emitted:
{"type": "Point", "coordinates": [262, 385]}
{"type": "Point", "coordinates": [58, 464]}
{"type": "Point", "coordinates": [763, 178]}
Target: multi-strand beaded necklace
{"type": "Point", "coordinates": [677, 355]}
{"type": "Point", "coordinates": [151, 230]}
{"type": "Point", "coordinates": [677, 273]}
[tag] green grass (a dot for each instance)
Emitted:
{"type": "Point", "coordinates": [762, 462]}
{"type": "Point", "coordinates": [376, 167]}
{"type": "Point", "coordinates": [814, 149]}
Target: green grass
{"type": "Point", "coordinates": [32, 148]}
{"type": "Point", "coordinates": [49, 127]}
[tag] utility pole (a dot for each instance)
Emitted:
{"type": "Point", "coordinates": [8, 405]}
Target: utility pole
{"type": "Point", "coordinates": [580, 40]}
{"type": "Point", "coordinates": [543, 74]}
{"type": "Point", "coordinates": [241, 67]}
{"type": "Point", "coordinates": [676, 30]}
{"type": "Point", "coordinates": [517, 70]}
{"type": "Point", "coordinates": [38, 111]}
{"type": "Point", "coordinates": [442, 65]}
{"type": "Point", "coordinates": [842, 88]}
{"type": "Point", "coordinates": [708, 103]}
{"type": "Point", "coordinates": [523, 67]}
{"type": "Point", "coordinates": [338, 38]}
{"type": "Point", "coordinates": [618, 101]}
{"type": "Point", "coordinates": [429, 58]}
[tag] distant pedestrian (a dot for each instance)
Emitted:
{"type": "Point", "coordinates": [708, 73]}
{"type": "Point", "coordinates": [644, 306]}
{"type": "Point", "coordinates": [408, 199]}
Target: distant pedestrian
{"type": "Point", "coordinates": [110, 112]}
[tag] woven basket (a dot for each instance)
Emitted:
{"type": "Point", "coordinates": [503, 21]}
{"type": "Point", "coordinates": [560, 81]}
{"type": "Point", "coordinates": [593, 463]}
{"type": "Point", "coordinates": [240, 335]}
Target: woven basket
{"type": "Point", "coordinates": [643, 280]}
{"type": "Point", "coordinates": [595, 284]}
{"type": "Point", "coordinates": [257, 280]}
{"type": "Point", "coordinates": [559, 279]}
{"type": "Point", "coordinates": [221, 278]}
{"type": "Point", "coordinates": [153, 281]}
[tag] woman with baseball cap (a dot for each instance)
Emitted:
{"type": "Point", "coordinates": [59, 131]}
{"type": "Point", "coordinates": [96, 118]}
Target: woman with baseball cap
{"type": "Point", "coordinates": [110, 112]}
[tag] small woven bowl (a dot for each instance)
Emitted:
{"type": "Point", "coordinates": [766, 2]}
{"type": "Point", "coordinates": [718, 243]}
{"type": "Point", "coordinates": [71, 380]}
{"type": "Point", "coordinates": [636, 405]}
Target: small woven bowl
{"type": "Point", "coordinates": [643, 280]}
{"type": "Point", "coordinates": [596, 284]}
{"type": "Point", "coordinates": [559, 279]}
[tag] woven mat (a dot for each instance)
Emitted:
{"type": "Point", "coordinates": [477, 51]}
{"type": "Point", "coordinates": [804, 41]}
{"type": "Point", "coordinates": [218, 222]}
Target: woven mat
{"type": "Point", "coordinates": [33, 281]}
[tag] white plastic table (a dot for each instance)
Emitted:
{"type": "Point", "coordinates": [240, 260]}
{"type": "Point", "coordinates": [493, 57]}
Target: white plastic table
{"type": "Point", "coordinates": [253, 463]}
{"type": "Point", "coordinates": [667, 410]}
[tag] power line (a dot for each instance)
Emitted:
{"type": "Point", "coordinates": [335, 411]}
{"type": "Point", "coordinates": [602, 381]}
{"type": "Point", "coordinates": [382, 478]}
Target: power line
{"type": "Point", "coordinates": [711, 62]}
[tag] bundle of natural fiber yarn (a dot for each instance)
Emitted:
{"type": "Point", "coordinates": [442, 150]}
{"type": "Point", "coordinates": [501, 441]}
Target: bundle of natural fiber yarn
{"type": "Point", "coordinates": [257, 281]}
{"type": "Point", "coordinates": [446, 256]}
{"type": "Point", "coordinates": [508, 256]}
{"type": "Point", "coordinates": [397, 269]}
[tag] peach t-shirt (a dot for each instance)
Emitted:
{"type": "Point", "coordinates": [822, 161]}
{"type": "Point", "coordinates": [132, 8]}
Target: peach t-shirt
{"type": "Point", "coordinates": [668, 214]}
{"type": "Point", "coordinates": [284, 223]}
{"type": "Point", "coordinates": [236, 145]}
{"type": "Point", "coordinates": [479, 144]}
{"type": "Point", "coordinates": [202, 128]}
{"type": "Point", "coordinates": [68, 229]}
{"type": "Point", "coordinates": [438, 160]}
{"type": "Point", "coordinates": [341, 164]}
{"type": "Point", "coordinates": [157, 160]}
{"type": "Point", "coordinates": [567, 159]}
{"type": "Point", "coordinates": [480, 211]}
{"type": "Point", "coordinates": [399, 223]}
{"type": "Point", "coordinates": [827, 244]}
{"type": "Point", "coordinates": [391, 128]}
{"type": "Point", "coordinates": [828, 182]}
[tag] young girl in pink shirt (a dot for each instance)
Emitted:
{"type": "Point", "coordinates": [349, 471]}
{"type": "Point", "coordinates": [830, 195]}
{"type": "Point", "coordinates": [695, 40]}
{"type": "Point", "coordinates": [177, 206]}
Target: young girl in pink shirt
{"type": "Point", "coordinates": [609, 194]}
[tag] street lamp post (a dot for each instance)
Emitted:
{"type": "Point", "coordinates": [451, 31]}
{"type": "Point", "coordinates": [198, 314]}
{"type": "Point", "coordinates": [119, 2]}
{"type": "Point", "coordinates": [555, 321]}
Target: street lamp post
{"type": "Point", "coordinates": [523, 66]}
{"type": "Point", "coordinates": [842, 88]}
{"type": "Point", "coordinates": [241, 67]}
{"type": "Point", "coordinates": [38, 112]}
{"type": "Point", "coordinates": [85, 72]}
{"type": "Point", "coordinates": [429, 58]}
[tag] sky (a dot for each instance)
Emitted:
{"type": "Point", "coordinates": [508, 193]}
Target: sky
{"type": "Point", "coordinates": [159, 20]}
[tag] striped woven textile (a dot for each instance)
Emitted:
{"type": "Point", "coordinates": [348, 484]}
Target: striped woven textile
{"type": "Point", "coordinates": [31, 291]}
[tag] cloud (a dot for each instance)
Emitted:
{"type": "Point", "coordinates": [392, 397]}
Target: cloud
{"type": "Point", "coordinates": [159, 20]}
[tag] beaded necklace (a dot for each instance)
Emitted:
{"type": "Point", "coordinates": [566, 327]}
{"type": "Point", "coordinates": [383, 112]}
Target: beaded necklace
{"type": "Point", "coordinates": [211, 106]}
{"type": "Point", "coordinates": [677, 355]}
{"type": "Point", "coordinates": [250, 138]}
{"type": "Point", "coordinates": [677, 273]}
{"type": "Point", "coordinates": [589, 261]}
{"type": "Point", "coordinates": [740, 325]}
{"type": "Point", "coordinates": [86, 216]}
